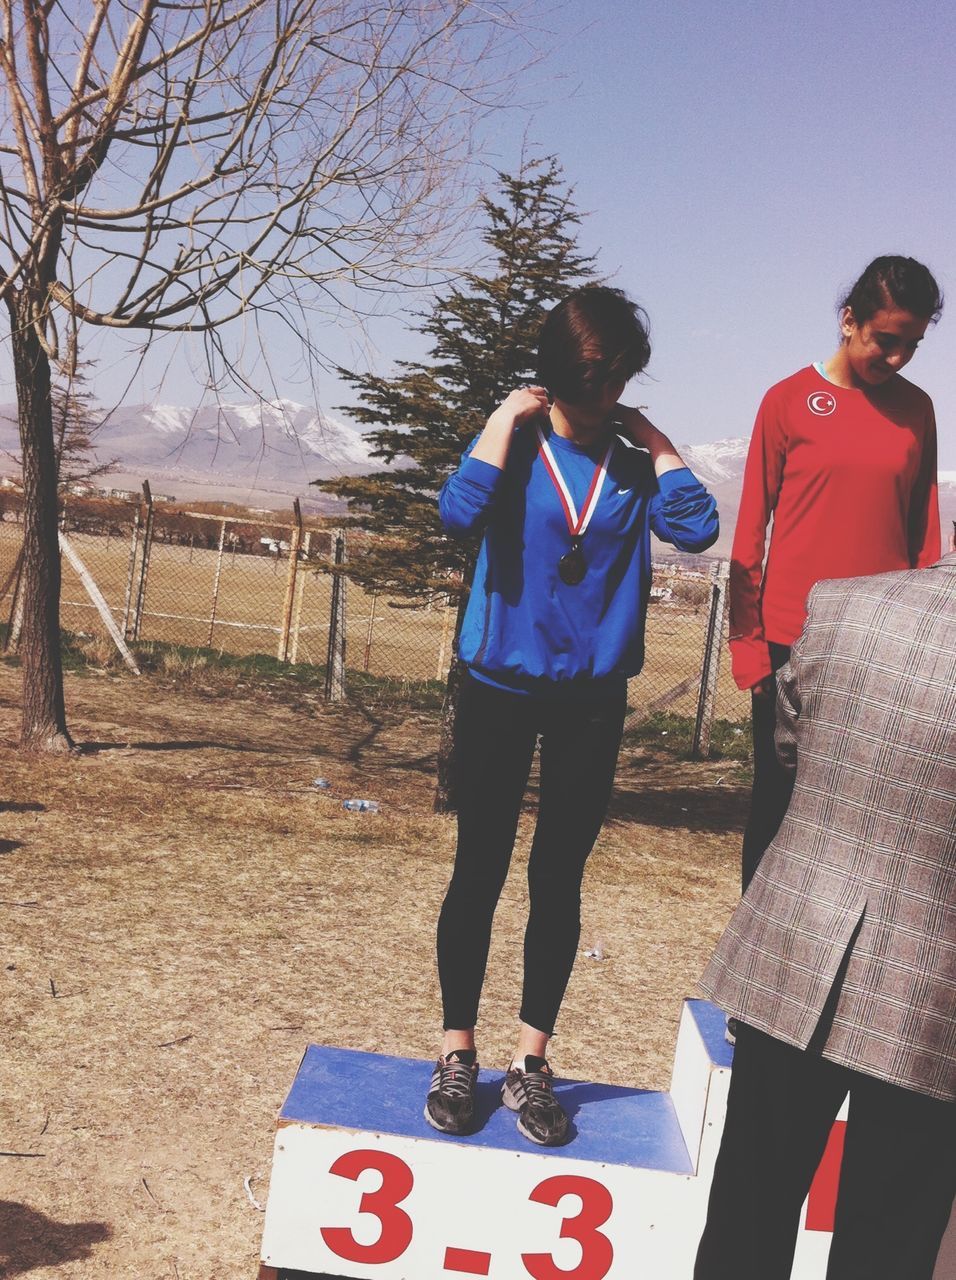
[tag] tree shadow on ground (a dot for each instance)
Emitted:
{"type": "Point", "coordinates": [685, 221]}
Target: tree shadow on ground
{"type": "Point", "coordinates": [21, 806]}
{"type": "Point", "coordinates": [29, 1239]}
{"type": "Point", "coordinates": [716, 809]}
{"type": "Point", "coordinates": [187, 744]}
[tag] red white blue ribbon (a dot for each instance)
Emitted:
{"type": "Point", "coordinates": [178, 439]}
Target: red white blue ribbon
{"type": "Point", "coordinates": [576, 524]}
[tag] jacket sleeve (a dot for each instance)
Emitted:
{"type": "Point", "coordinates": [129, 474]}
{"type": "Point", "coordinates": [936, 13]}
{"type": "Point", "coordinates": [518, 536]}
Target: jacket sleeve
{"type": "Point", "coordinates": [467, 498]}
{"type": "Point", "coordinates": [923, 532]}
{"type": "Point", "coordinates": [683, 513]}
{"type": "Point", "coordinates": [750, 655]}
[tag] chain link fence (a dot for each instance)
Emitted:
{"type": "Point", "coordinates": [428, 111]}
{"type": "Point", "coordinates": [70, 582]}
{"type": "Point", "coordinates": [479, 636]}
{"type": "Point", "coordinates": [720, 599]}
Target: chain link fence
{"type": "Point", "coordinates": [252, 583]}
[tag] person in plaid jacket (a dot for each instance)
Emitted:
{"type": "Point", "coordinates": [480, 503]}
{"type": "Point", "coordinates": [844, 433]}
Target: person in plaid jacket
{"type": "Point", "coordinates": [839, 964]}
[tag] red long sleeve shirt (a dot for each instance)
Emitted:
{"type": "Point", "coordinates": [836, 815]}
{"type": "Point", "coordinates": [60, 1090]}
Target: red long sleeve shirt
{"type": "Point", "coordinates": [850, 481]}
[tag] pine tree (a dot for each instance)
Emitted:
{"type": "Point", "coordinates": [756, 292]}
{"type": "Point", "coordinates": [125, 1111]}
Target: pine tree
{"type": "Point", "coordinates": [484, 337]}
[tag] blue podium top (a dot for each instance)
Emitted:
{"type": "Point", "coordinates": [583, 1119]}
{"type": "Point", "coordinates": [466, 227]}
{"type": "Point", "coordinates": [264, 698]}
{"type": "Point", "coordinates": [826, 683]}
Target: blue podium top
{"type": "Point", "coordinates": [711, 1023]}
{"type": "Point", "coordinates": [369, 1092]}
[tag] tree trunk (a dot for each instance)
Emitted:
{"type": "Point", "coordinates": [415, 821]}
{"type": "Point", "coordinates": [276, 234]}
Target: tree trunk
{"type": "Point", "coordinates": [44, 716]}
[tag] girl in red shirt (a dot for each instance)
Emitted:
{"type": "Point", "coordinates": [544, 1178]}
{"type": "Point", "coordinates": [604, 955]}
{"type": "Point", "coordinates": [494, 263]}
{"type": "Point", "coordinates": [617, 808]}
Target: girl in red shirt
{"type": "Point", "coordinates": [843, 457]}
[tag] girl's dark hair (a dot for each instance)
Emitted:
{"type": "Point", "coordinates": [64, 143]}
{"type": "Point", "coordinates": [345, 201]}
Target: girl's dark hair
{"type": "Point", "coordinates": [893, 281]}
{"type": "Point", "coordinates": [593, 337]}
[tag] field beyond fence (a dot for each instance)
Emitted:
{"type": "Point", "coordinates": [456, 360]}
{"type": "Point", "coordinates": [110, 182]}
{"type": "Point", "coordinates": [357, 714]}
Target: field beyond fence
{"type": "Point", "coordinates": [212, 589]}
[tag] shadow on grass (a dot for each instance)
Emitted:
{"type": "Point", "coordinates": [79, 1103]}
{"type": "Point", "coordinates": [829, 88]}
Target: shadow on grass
{"type": "Point", "coordinates": [21, 806]}
{"type": "Point", "coordinates": [702, 808]}
{"type": "Point", "coordinates": [29, 1239]}
{"type": "Point", "coordinates": [188, 744]}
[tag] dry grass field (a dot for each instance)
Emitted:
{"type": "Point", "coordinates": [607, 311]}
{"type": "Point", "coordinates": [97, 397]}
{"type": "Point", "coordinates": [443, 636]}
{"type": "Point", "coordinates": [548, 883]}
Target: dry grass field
{"type": "Point", "coordinates": [183, 912]}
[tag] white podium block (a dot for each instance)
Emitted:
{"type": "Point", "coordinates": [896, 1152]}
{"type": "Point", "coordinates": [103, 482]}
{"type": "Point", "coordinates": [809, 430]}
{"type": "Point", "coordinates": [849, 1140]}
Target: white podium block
{"type": "Point", "coordinates": [363, 1187]}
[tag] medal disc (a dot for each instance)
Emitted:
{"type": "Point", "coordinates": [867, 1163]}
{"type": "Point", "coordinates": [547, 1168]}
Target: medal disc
{"type": "Point", "coordinates": [571, 567]}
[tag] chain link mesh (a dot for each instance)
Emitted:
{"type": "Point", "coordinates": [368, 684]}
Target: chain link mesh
{"type": "Point", "coordinates": [196, 581]}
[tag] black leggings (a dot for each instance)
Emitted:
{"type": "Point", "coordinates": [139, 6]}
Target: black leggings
{"type": "Point", "coordinates": [773, 784]}
{"type": "Point", "coordinates": [495, 736]}
{"type": "Point", "coordinates": [897, 1180]}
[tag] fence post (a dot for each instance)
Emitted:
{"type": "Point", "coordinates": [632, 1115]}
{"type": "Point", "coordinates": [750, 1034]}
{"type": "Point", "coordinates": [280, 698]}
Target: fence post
{"type": "Point", "coordinates": [283, 652]}
{"type": "Point", "coordinates": [710, 665]}
{"type": "Point", "coordinates": [15, 624]}
{"type": "Point", "coordinates": [215, 584]}
{"type": "Point", "coordinates": [335, 661]}
{"type": "Point", "coordinates": [144, 566]}
{"type": "Point", "coordinates": [297, 612]}
{"type": "Point", "coordinates": [443, 646]}
{"type": "Point", "coordinates": [368, 633]}
{"type": "Point", "coordinates": [128, 599]}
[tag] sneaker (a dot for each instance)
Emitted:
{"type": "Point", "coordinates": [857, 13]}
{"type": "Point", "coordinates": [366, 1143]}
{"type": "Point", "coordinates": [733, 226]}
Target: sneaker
{"type": "Point", "coordinates": [450, 1105]}
{"type": "Point", "coordinates": [529, 1090]}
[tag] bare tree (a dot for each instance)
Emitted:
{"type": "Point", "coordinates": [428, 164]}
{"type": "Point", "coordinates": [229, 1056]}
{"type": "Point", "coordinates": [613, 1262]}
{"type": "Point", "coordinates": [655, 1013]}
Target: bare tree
{"type": "Point", "coordinates": [174, 167]}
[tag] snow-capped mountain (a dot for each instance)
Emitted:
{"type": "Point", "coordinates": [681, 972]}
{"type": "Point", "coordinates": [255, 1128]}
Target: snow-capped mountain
{"type": "Point", "coordinates": [720, 462]}
{"type": "Point", "coordinates": [256, 453]}
{"type": "Point", "coordinates": [276, 440]}
{"type": "Point", "coordinates": [720, 466]}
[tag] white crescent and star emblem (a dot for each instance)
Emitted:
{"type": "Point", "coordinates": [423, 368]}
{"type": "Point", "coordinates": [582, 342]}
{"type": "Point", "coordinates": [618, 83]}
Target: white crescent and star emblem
{"type": "Point", "coordinates": [821, 403]}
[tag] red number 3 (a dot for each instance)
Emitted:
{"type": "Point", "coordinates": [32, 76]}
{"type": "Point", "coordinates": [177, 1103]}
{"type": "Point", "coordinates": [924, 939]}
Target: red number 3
{"type": "Point", "coordinates": [596, 1251]}
{"type": "Point", "coordinates": [396, 1232]}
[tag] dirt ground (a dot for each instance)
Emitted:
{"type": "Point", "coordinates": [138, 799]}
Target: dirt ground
{"type": "Point", "coordinates": [183, 912]}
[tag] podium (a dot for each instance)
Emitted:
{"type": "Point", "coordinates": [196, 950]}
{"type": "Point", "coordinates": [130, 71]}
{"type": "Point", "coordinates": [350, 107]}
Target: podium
{"type": "Point", "coordinates": [363, 1187]}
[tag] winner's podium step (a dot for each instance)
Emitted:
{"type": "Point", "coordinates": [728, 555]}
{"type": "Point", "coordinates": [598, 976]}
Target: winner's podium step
{"type": "Point", "coordinates": [362, 1186]}
{"type": "Point", "coordinates": [364, 1092]}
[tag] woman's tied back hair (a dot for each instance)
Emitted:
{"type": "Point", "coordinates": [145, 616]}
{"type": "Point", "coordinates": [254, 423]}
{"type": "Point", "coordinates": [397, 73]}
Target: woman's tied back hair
{"type": "Point", "coordinates": [594, 337]}
{"type": "Point", "coordinates": [894, 281]}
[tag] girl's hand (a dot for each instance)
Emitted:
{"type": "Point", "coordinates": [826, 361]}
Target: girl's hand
{"type": "Point", "coordinates": [522, 405]}
{"type": "Point", "coordinates": [642, 432]}
{"type": "Point", "coordinates": [638, 428]}
{"type": "Point", "coordinates": [765, 688]}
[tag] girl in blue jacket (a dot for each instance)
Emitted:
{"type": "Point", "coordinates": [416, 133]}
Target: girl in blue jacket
{"type": "Point", "coordinates": [554, 627]}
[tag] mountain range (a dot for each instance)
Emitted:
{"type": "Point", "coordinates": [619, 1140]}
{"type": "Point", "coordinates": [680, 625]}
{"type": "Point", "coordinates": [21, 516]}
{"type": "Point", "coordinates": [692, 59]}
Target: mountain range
{"type": "Point", "coordinates": [265, 454]}
{"type": "Point", "coordinates": [258, 455]}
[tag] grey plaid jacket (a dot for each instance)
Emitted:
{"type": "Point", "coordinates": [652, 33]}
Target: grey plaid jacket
{"type": "Point", "coordinates": [861, 878]}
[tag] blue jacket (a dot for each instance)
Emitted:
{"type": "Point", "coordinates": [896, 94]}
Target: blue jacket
{"type": "Point", "coordinates": [526, 629]}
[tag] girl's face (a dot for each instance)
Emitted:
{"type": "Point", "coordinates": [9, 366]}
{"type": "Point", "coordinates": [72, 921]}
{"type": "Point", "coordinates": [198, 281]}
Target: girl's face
{"type": "Point", "coordinates": [882, 345]}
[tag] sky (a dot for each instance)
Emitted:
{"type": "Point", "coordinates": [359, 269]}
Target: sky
{"type": "Point", "coordinates": [740, 164]}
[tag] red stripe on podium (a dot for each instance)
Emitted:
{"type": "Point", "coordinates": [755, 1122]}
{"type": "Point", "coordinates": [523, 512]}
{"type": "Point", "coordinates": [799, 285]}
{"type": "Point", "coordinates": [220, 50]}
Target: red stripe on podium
{"type": "Point", "coordinates": [467, 1260]}
{"type": "Point", "coordinates": [821, 1206]}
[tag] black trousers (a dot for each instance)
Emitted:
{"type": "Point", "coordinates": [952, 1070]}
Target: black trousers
{"type": "Point", "coordinates": [772, 785]}
{"type": "Point", "coordinates": [495, 735]}
{"type": "Point", "coordinates": [897, 1182]}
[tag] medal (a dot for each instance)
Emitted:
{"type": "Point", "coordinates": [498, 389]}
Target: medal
{"type": "Point", "coordinates": [572, 566]}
